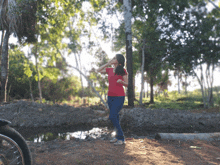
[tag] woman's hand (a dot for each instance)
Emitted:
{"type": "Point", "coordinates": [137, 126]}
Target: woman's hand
{"type": "Point", "coordinates": [112, 61]}
{"type": "Point", "coordinates": [119, 81]}
{"type": "Point", "coordinates": [102, 68]}
{"type": "Point", "coordinates": [124, 81]}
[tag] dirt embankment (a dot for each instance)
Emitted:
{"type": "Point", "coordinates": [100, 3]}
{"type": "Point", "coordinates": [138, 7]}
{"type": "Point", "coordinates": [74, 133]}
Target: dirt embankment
{"type": "Point", "coordinates": [31, 114]}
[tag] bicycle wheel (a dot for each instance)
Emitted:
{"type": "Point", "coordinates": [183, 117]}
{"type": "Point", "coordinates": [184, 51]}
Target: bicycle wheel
{"type": "Point", "coordinates": [13, 148]}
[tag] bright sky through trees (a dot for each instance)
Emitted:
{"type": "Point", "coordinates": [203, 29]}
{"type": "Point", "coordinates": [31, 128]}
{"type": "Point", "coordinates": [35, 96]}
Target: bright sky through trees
{"type": "Point", "coordinates": [87, 58]}
{"type": "Point", "coordinates": [107, 48]}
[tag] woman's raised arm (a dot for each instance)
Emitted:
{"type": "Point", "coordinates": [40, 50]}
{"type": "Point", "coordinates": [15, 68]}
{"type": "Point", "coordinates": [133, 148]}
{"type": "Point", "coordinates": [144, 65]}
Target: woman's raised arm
{"type": "Point", "coordinates": [102, 68]}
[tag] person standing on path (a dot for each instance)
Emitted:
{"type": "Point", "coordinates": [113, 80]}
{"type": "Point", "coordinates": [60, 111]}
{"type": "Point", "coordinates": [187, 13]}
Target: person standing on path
{"type": "Point", "coordinates": [117, 77]}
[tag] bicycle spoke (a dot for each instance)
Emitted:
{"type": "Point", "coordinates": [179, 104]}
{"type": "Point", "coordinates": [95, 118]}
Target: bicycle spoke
{"type": "Point", "coordinates": [10, 152]}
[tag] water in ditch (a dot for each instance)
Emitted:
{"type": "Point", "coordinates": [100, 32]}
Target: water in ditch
{"type": "Point", "coordinates": [41, 134]}
{"type": "Point", "coordinates": [48, 134]}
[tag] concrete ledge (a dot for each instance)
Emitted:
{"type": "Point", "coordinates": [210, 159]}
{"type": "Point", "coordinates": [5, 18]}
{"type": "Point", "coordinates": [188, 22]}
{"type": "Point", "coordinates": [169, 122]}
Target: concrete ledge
{"type": "Point", "coordinates": [189, 136]}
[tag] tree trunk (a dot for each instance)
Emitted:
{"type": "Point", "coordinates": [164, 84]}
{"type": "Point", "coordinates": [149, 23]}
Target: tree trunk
{"type": "Point", "coordinates": [147, 91]}
{"type": "Point", "coordinates": [8, 98]}
{"type": "Point", "coordinates": [39, 84]}
{"type": "Point", "coordinates": [142, 75]}
{"type": "Point", "coordinates": [38, 74]}
{"type": "Point", "coordinates": [4, 67]}
{"type": "Point", "coordinates": [3, 33]}
{"type": "Point", "coordinates": [186, 84]}
{"type": "Point", "coordinates": [211, 102]}
{"type": "Point", "coordinates": [30, 85]}
{"type": "Point", "coordinates": [31, 92]}
{"type": "Point", "coordinates": [151, 90]}
{"type": "Point", "coordinates": [210, 78]}
{"type": "Point", "coordinates": [78, 65]}
{"type": "Point", "coordinates": [178, 77]}
{"type": "Point", "coordinates": [127, 18]}
{"type": "Point", "coordinates": [201, 83]}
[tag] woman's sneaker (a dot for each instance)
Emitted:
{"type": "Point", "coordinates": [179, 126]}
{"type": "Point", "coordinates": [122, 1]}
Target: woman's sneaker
{"type": "Point", "coordinates": [119, 142]}
{"type": "Point", "coordinates": [113, 140]}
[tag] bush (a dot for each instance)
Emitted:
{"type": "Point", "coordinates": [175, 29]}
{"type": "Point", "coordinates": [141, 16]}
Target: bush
{"type": "Point", "coordinates": [61, 90]}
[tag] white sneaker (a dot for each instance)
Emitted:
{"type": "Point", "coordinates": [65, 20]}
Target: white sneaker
{"type": "Point", "coordinates": [119, 142]}
{"type": "Point", "coordinates": [113, 140]}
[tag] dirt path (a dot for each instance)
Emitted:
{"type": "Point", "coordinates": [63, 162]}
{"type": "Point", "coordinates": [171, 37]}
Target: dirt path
{"type": "Point", "coordinates": [135, 151]}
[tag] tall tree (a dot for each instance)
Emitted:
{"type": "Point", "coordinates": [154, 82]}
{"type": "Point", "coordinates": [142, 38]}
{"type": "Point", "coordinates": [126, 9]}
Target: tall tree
{"type": "Point", "coordinates": [16, 17]}
{"type": "Point", "coordinates": [4, 67]}
{"type": "Point", "coordinates": [198, 47]}
{"type": "Point", "coordinates": [142, 73]}
{"type": "Point", "coordinates": [178, 74]}
{"type": "Point", "coordinates": [127, 19]}
{"type": "Point", "coordinates": [147, 26]}
{"type": "Point", "coordinates": [114, 8]}
{"type": "Point", "coordinates": [1, 46]}
{"type": "Point", "coordinates": [52, 19]}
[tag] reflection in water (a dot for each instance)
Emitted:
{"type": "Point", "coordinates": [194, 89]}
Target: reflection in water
{"type": "Point", "coordinates": [93, 133]}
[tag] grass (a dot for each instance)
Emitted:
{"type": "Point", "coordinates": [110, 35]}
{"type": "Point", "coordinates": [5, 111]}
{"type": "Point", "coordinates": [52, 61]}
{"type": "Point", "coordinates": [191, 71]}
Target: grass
{"type": "Point", "coordinates": [190, 101]}
{"type": "Point", "coordinates": [174, 100]}
{"type": "Point", "coordinates": [84, 101]}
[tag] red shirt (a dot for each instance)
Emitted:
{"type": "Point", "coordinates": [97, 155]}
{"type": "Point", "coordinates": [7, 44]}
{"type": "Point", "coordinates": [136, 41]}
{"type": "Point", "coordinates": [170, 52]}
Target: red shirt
{"type": "Point", "coordinates": [115, 89]}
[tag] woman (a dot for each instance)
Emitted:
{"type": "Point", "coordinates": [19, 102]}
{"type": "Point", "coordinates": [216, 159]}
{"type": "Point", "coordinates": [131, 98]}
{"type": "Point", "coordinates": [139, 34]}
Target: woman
{"type": "Point", "coordinates": [117, 78]}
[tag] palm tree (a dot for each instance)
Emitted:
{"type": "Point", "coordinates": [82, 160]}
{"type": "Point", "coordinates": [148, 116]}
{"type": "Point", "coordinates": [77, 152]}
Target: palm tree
{"type": "Point", "coordinates": [17, 17]}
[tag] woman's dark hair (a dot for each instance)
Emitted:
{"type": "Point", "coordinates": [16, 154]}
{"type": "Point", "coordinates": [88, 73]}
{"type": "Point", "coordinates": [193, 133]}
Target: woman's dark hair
{"type": "Point", "coordinates": [121, 63]}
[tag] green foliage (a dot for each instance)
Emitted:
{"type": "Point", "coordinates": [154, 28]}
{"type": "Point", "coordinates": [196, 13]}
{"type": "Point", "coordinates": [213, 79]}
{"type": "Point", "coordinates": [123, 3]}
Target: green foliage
{"type": "Point", "coordinates": [155, 24]}
{"type": "Point", "coordinates": [193, 100]}
{"type": "Point", "coordinates": [53, 17]}
{"type": "Point", "coordinates": [21, 71]}
{"type": "Point", "coordinates": [86, 92]}
{"type": "Point", "coordinates": [120, 38]}
{"type": "Point", "coordinates": [136, 62]}
{"type": "Point", "coordinates": [27, 70]}
{"type": "Point", "coordinates": [51, 73]}
{"type": "Point", "coordinates": [197, 45]}
{"type": "Point", "coordinates": [19, 17]}
{"type": "Point", "coordinates": [97, 78]}
{"type": "Point", "coordinates": [98, 4]}
{"type": "Point", "coordinates": [177, 101]}
{"type": "Point", "coordinates": [61, 90]}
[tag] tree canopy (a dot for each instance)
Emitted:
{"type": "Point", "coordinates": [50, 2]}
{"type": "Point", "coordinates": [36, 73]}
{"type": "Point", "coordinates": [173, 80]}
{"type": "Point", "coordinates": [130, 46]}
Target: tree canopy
{"type": "Point", "coordinates": [173, 35]}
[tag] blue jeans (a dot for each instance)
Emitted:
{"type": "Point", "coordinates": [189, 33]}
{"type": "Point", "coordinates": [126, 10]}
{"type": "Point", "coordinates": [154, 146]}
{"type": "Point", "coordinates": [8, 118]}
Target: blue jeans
{"type": "Point", "coordinates": [115, 105]}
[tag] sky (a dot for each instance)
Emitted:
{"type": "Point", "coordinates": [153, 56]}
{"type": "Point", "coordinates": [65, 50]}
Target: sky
{"type": "Point", "coordinates": [87, 60]}
{"type": "Point", "coordinates": [107, 48]}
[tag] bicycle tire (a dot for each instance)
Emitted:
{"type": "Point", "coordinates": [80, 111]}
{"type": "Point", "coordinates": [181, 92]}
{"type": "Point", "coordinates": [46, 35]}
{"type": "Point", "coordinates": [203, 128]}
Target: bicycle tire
{"type": "Point", "coordinates": [17, 138]}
